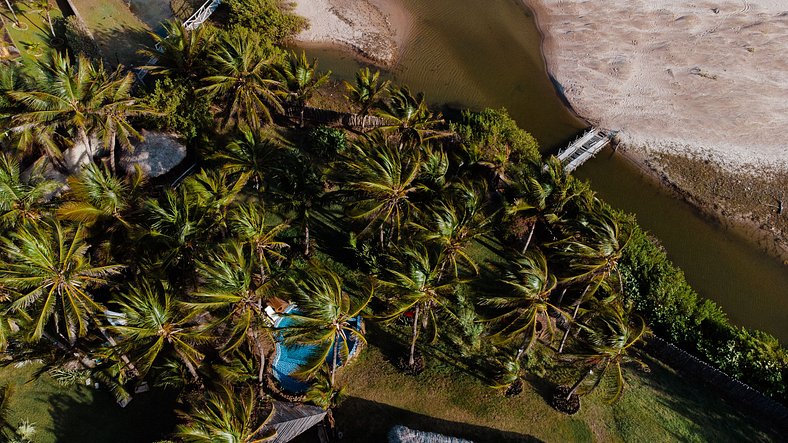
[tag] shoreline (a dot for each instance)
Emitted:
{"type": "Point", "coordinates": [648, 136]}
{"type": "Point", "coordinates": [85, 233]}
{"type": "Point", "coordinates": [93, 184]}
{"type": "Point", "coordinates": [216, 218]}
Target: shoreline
{"type": "Point", "coordinates": [645, 152]}
{"type": "Point", "coordinates": [769, 235]}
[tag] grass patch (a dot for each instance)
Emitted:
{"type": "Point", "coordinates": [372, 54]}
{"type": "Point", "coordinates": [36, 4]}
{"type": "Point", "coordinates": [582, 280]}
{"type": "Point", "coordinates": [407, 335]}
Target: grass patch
{"type": "Point", "coordinates": [659, 406]}
{"type": "Point", "coordinates": [35, 36]}
{"type": "Point", "coordinates": [82, 414]}
{"type": "Point", "coordinates": [118, 32]}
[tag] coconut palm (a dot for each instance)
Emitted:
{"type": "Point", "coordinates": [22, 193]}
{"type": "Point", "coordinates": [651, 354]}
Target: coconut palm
{"type": "Point", "coordinates": [606, 344]}
{"type": "Point", "coordinates": [22, 199]}
{"type": "Point", "coordinates": [541, 199]}
{"type": "Point", "coordinates": [80, 97]}
{"type": "Point", "coordinates": [300, 80]}
{"type": "Point", "coordinates": [410, 115]}
{"type": "Point", "coordinates": [215, 191]}
{"type": "Point", "coordinates": [179, 52]}
{"type": "Point", "coordinates": [241, 79]}
{"type": "Point", "coordinates": [236, 298]}
{"type": "Point", "coordinates": [453, 225]}
{"type": "Point", "coordinates": [252, 153]}
{"type": "Point", "coordinates": [247, 222]}
{"type": "Point", "coordinates": [523, 305]}
{"type": "Point", "coordinates": [96, 196]}
{"type": "Point", "coordinates": [152, 326]}
{"type": "Point", "coordinates": [229, 415]}
{"type": "Point", "coordinates": [592, 255]}
{"type": "Point", "coordinates": [380, 180]}
{"type": "Point", "coordinates": [322, 318]}
{"type": "Point", "coordinates": [417, 287]}
{"type": "Point", "coordinates": [366, 90]}
{"type": "Point", "coordinates": [49, 271]}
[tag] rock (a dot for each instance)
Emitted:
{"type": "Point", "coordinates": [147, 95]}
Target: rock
{"type": "Point", "coordinates": [157, 154]}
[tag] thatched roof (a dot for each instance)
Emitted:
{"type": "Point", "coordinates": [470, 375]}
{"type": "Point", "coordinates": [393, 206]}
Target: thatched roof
{"type": "Point", "coordinates": [292, 419]}
{"type": "Point", "coordinates": [402, 434]}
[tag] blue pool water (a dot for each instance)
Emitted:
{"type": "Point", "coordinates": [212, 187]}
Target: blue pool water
{"type": "Point", "coordinates": [289, 358]}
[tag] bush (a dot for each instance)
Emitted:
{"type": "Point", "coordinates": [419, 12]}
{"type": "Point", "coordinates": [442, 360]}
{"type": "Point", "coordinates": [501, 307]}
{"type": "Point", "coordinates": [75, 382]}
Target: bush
{"type": "Point", "coordinates": [325, 142]}
{"type": "Point", "coordinates": [266, 17]}
{"type": "Point", "coordinates": [496, 138]}
{"type": "Point", "coordinates": [658, 291]}
{"type": "Point", "coordinates": [79, 39]}
{"type": "Point", "coordinates": [181, 110]}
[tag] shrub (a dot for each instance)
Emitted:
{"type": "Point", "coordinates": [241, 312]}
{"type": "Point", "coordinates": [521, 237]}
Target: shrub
{"type": "Point", "coordinates": [325, 142]}
{"type": "Point", "coordinates": [266, 17]}
{"type": "Point", "coordinates": [180, 109]}
{"type": "Point", "coordinates": [658, 291]}
{"type": "Point", "coordinates": [496, 138]}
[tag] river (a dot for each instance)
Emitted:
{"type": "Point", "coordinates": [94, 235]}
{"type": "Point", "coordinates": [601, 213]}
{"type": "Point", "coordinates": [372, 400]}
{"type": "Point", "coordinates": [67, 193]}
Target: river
{"type": "Point", "coordinates": [486, 53]}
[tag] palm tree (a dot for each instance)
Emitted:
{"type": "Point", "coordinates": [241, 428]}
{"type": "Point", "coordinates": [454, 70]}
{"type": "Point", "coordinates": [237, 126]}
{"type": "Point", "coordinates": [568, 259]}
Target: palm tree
{"type": "Point", "coordinates": [252, 153]}
{"type": "Point", "coordinates": [79, 97]}
{"type": "Point", "coordinates": [541, 200]}
{"type": "Point", "coordinates": [96, 196]}
{"type": "Point", "coordinates": [300, 81]}
{"type": "Point", "coordinates": [524, 305]}
{"type": "Point", "coordinates": [417, 287]}
{"type": "Point", "coordinates": [49, 268]}
{"type": "Point", "coordinates": [22, 199]}
{"type": "Point", "coordinates": [607, 344]}
{"type": "Point", "coordinates": [215, 191]}
{"type": "Point", "coordinates": [410, 115]}
{"type": "Point", "coordinates": [381, 179]}
{"type": "Point", "coordinates": [180, 52]}
{"type": "Point", "coordinates": [227, 415]}
{"type": "Point", "coordinates": [592, 256]}
{"type": "Point", "coordinates": [454, 225]}
{"type": "Point", "coordinates": [152, 324]}
{"type": "Point", "coordinates": [241, 79]}
{"type": "Point", "coordinates": [236, 297]}
{"type": "Point", "coordinates": [323, 318]}
{"type": "Point", "coordinates": [367, 89]}
{"type": "Point", "coordinates": [247, 222]}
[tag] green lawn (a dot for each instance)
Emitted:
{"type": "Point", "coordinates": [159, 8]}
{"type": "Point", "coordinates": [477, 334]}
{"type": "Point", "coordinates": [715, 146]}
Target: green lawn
{"type": "Point", "coordinates": [656, 407]}
{"type": "Point", "coordinates": [35, 30]}
{"type": "Point", "coordinates": [81, 414]}
{"type": "Point", "coordinates": [118, 32]}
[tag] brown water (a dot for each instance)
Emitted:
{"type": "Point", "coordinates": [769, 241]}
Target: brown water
{"type": "Point", "coordinates": [486, 53]}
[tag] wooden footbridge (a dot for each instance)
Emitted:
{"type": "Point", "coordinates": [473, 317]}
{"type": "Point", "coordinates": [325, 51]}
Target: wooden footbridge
{"type": "Point", "coordinates": [584, 147]}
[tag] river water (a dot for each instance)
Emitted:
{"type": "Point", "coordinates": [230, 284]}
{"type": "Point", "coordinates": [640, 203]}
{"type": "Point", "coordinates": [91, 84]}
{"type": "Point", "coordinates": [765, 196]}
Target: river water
{"type": "Point", "coordinates": [486, 53]}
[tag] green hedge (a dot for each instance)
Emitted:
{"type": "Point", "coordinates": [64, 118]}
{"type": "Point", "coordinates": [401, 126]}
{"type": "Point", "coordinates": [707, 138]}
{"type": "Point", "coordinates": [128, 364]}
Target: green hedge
{"type": "Point", "coordinates": [659, 291]}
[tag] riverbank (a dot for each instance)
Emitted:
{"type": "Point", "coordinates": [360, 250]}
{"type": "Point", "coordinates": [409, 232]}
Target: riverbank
{"type": "Point", "coordinates": [373, 29]}
{"type": "Point", "coordinates": [697, 91]}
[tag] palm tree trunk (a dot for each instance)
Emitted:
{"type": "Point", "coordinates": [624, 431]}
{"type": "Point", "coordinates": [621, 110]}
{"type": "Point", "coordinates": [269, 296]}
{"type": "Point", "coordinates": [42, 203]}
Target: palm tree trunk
{"type": "Point", "coordinates": [306, 238]}
{"type": "Point", "coordinates": [334, 366]}
{"type": "Point", "coordinates": [412, 359]}
{"type": "Point", "coordinates": [111, 148]}
{"type": "Point", "coordinates": [530, 235]}
{"type": "Point", "coordinates": [574, 315]}
{"type": "Point", "coordinates": [261, 355]}
{"type": "Point", "coordinates": [579, 382]}
{"type": "Point", "coordinates": [10, 8]}
{"type": "Point", "coordinates": [49, 20]}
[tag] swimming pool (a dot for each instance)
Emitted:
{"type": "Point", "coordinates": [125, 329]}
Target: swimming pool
{"type": "Point", "coordinates": [289, 358]}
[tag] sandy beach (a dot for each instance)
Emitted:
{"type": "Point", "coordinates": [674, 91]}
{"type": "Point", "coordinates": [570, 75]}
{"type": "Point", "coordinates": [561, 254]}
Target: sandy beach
{"type": "Point", "coordinates": [706, 78]}
{"type": "Point", "coordinates": [374, 29]}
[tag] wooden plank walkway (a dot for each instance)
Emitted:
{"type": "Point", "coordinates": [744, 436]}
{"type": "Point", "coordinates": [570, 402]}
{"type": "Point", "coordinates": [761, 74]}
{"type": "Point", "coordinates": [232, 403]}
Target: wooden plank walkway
{"type": "Point", "coordinates": [584, 148]}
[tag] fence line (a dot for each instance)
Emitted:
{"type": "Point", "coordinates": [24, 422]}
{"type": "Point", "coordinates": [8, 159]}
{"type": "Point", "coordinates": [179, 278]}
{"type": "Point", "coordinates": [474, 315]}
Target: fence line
{"type": "Point", "coordinates": [687, 364]}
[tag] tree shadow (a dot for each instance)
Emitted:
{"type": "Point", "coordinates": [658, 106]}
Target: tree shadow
{"type": "Point", "coordinates": [149, 417]}
{"type": "Point", "coordinates": [362, 420]}
{"type": "Point", "coordinates": [716, 418]}
{"type": "Point", "coordinates": [120, 45]}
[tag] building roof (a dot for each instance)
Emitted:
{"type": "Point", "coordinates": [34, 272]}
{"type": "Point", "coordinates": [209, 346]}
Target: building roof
{"type": "Point", "coordinates": [292, 419]}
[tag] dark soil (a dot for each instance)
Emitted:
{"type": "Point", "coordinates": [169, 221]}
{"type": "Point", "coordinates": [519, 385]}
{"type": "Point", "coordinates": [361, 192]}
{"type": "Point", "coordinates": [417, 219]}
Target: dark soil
{"type": "Point", "coordinates": [514, 389]}
{"type": "Point", "coordinates": [561, 403]}
{"type": "Point", "coordinates": [417, 368]}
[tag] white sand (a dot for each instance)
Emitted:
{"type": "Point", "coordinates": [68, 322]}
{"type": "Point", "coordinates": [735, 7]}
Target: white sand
{"type": "Point", "coordinates": [373, 28]}
{"type": "Point", "coordinates": [705, 78]}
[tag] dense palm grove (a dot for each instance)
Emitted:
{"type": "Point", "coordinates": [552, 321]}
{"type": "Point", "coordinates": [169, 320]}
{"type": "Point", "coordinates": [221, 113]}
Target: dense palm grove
{"type": "Point", "coordinates": [454, 233]}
